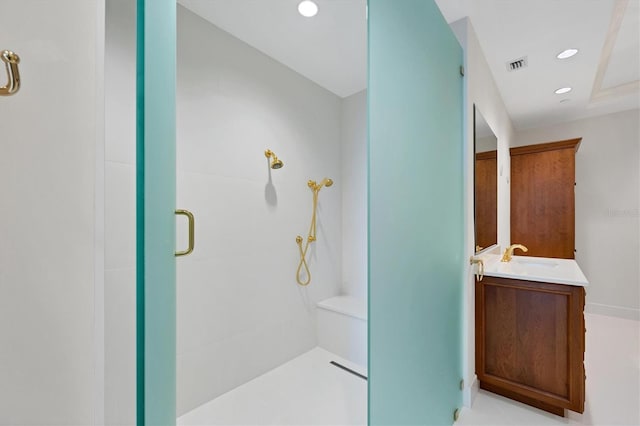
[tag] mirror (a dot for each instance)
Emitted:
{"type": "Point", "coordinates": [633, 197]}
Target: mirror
{"type": "Point", "coordinates": [486, 183]}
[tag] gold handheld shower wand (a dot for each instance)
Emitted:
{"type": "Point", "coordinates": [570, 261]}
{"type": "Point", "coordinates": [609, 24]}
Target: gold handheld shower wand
{"type": "Point", "coordinates": [315, 187]}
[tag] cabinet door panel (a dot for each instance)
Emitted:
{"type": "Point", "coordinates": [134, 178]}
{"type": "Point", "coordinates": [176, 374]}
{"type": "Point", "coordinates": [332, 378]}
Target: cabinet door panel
{"type": "Point", "coordinates": [526, 337]}
{"type": "Point", "coordinates": [543, 199]}
{"type": "Point", "coordinates": [530, 342]}
{"type": "Point", "coordinates": [501, 333]}
{"type": "Point", "coordinates": [542, 355]}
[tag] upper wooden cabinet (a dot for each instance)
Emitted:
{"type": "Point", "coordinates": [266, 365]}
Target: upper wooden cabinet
{"type": "Point", "coordinates": [542, 198]}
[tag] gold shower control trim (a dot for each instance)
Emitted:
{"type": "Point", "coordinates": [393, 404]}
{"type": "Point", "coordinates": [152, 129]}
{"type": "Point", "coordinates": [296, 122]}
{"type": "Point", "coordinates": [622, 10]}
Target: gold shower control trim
{"type": "Point", "coordinates": [11, 61]}
{"type": "Point", "coordinates": [275, 162]}
{"type": "Point", "coordinates": [192, 232]}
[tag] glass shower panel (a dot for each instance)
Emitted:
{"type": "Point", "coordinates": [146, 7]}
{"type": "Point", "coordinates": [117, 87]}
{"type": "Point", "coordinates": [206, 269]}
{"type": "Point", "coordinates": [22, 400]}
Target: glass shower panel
{"type": "Point", "coordinates": [156, 199]}
{"type": "Point", "coordinates": [415, 214]}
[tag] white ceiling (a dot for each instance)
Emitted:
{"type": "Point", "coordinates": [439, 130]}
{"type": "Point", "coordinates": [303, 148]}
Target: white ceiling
{"type": "Point", "coordinates": [510, 29]}
{"type": "Point", "coordinates": [330, 49]}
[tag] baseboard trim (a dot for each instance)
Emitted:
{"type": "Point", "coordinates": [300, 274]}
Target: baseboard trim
{"type": "Point", "coordinates": [470, 392]}
{"type": "Point", "coordinates": [613, 311]}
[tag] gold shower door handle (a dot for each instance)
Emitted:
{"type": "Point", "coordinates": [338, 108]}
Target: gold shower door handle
{"type": "Point", "coordinates": [11, 61]}
{"type": "Point", "coordinates": [192, 232]}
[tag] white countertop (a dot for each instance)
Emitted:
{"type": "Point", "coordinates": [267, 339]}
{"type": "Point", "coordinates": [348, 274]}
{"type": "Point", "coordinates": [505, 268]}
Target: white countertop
{"type": "Point", "coordinates": [542, 269]}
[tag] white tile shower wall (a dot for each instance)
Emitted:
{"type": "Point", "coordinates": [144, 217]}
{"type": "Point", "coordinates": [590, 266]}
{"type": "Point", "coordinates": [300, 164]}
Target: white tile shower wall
{"type": "Point", "coordinates": [354, 195]}
{"type": "Point", "coordinates": [48, 171]}
{"type": "Point", "coordinates": [607, 206]}
{"type": "Point", "coordinates": [482, 91]}
{"type": "Point", "coordinates": [240, 311]}
{"type": "Point", "coordinates": [120, 213]}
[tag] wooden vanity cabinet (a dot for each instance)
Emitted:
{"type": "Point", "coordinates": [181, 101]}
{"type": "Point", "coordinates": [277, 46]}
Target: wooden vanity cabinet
{"type": "Point", "coordinates": [530, 342]}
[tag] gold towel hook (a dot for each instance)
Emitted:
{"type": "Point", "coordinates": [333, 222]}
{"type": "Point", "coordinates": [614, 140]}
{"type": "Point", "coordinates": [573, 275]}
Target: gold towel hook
{"type": "Point", "coordinates": [11, 61]}
{"type": "Point", "coordinates": [480, 270]}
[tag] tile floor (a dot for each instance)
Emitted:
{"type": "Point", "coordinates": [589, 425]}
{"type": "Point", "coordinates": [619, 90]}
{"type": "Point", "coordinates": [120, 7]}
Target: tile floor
{"type": "Point", "coordinates": [305, 391]}
{"type": "Point", "coordinates": [612, 362]}
{"type": "Point", "coordinates": [310, 391]}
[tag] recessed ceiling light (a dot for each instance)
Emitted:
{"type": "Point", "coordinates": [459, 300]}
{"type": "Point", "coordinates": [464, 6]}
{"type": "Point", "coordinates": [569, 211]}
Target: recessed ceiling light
{"type": "Point", "coordinates": [307, 8]}
{"type": "Point", "coordinates": [562, 90]}
{"type": "Point", "coordinates": [566, 53]}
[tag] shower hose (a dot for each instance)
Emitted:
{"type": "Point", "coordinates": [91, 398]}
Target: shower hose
{"type": "Point", "coordinates": [310, 238]}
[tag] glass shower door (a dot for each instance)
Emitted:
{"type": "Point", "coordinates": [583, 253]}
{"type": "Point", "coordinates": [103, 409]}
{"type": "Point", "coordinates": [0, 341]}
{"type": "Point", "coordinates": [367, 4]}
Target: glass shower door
{"type": "Point", "coordinates": [415, 214]}
{"type": "Point", "coordinates": [156, 198]}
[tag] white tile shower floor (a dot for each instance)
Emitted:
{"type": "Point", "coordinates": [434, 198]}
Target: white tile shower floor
{"type": "Point", "coordinates": [304, 391]}
{"type": "Point", "coordinates": [310, 391]}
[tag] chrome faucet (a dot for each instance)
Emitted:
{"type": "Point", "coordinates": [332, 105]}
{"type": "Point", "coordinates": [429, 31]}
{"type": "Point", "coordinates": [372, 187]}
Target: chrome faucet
{"type": "Point", "coordinates": [506, 257]}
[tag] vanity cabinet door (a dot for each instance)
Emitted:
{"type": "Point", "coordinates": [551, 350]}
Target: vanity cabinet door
{"type": "Point", "coordinates": [530, 342]}
{"type": "Point", "coordinates": [543, 199]}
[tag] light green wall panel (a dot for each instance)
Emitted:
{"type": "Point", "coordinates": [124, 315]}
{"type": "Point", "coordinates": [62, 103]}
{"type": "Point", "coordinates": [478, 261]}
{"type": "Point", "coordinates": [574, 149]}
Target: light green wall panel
{"type": "Point", "coordinates": [415, 214]}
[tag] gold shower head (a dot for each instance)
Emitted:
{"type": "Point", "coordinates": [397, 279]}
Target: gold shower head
{"type": "Point", "coordinates": [326, 182]}
{"type": "Point", "coordinates": [275, 162]}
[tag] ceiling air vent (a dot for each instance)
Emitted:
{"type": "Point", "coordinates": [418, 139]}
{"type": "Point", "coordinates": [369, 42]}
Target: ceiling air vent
{"type": "Point", "coordinates": [517, 64]}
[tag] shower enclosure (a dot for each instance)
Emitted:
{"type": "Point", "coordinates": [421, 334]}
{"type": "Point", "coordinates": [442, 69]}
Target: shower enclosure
{"type": "Point", "coordinates": [415, 202]}
{"type": "Point", "coordinates": [133, 114]}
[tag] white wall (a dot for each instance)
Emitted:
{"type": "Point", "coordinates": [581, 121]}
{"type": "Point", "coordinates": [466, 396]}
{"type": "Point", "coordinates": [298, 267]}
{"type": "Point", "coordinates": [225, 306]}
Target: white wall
{"type": "Point", "coordinates": [120, 213]}
{"type": "Point", "coordinates": [482, 91]}
{"type": "Point", "coordinates": [354, 195]}
{"type": "Point", "coordinates": [48, 175]}
{"type": "Point", "coordinates": [240, 311]}
{"type": "Point", "coordinates": [607, 206]}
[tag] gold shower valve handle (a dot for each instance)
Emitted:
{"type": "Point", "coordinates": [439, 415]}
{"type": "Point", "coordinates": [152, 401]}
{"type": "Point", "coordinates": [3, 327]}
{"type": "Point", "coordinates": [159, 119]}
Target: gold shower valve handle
{"type": "Point", "coordinates": [299, 239]}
